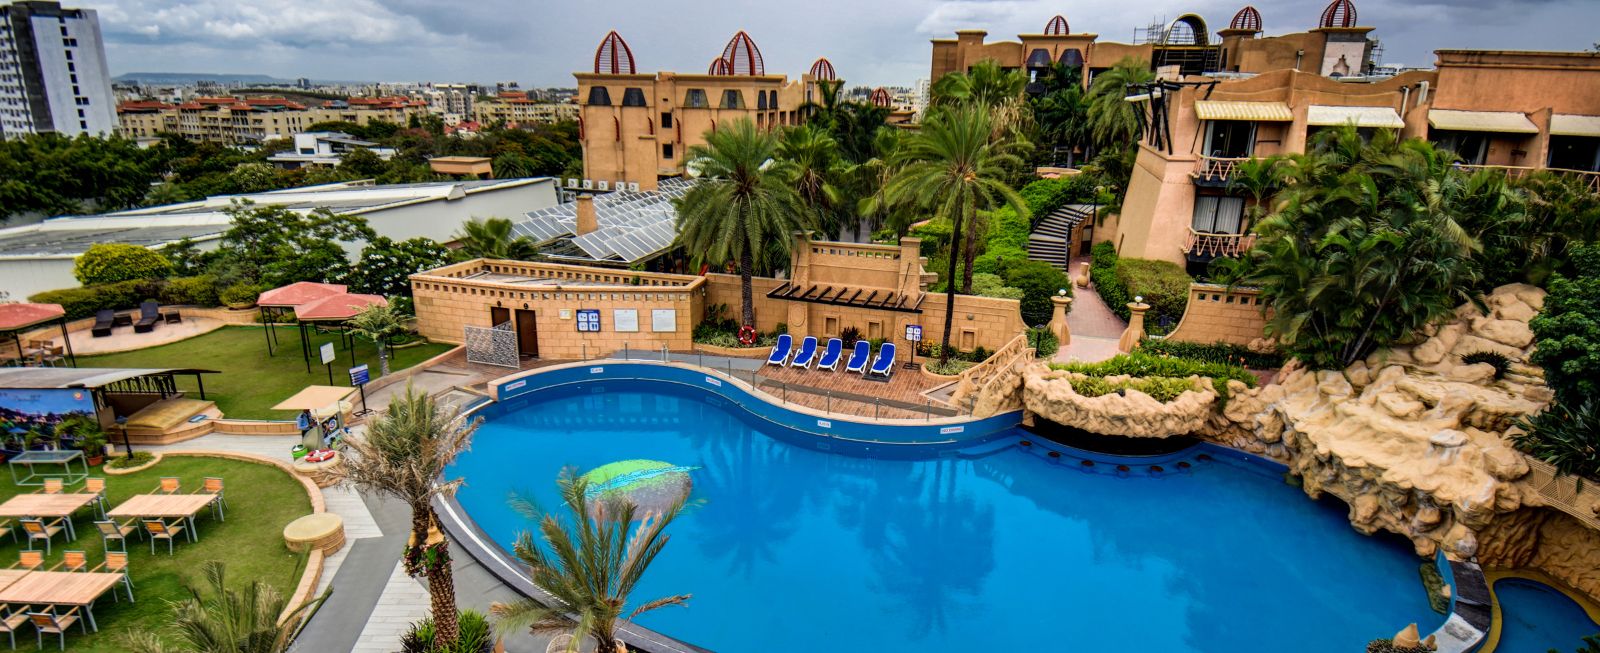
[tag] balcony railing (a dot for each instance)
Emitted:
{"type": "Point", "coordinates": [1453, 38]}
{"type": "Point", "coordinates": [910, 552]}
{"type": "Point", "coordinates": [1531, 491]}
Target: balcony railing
{"type": "Point", "coordinates": [1216, 169]}
{"type": "Point", "coordinates": [1591, 180]}
{"type": "Point", "coordinates": [1204, 245]}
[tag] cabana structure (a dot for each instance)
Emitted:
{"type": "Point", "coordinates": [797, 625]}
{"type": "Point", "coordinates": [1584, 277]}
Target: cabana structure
{"type": "Point", "coordinates": [17, 318]}
{"type": "Point", "coordinates": [275, 302]}
{"type": "Point", "coordinates": [43, 396]}
{"type": "Point", "coordinates": [333, 310]}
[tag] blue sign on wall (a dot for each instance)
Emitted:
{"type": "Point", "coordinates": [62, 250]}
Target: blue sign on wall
{"type": "Point", "coordinates": [589, 319]}
{"type": "Point", "coordinates": [359, 375]}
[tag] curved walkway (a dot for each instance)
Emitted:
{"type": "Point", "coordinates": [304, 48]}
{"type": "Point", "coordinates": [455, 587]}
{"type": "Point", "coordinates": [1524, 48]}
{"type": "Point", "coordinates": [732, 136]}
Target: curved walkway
{"type": "Point", "coordinates": [1095, 329]}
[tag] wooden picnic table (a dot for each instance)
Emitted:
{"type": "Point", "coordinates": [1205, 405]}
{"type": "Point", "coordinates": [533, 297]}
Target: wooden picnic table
{"type": "Point", "coordinates": [76, 588]}
{"type": "Point", "coordinates": [48, 505]}
{"type": "Point", "coordinates": [165, 506]}
{"type": "Point", "coordinates": [9, 576]}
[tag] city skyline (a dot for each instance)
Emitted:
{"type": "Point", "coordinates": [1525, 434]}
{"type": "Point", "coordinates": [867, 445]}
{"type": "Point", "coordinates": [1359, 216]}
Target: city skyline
{"type": "Point", "coordinates": [405, 40]}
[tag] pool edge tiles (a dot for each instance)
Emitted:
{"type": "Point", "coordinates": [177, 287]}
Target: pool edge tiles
{"type": "Point", "coordinates": [1493, 636]}
{"type": "Point", "coordinates": [957, 431]}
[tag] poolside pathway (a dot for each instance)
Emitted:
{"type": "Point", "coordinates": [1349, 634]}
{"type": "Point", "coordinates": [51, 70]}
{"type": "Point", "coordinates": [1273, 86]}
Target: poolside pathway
{"type": "Point", "coordinates": [1095, 329]}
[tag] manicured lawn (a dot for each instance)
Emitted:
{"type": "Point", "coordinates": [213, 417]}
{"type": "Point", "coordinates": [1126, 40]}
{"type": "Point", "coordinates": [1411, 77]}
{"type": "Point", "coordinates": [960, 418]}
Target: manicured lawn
{"type": "Point", "coordinates": [251, 382]}
{"type": "Point", "coordinates": [261, 501]}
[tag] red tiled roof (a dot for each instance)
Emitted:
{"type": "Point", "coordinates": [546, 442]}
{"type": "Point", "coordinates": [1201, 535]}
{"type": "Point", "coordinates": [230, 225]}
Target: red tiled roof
{"type": "Point", "coordinates": [191, 106]}
{"type": "Point", "coordinates": [241, 107]}
{"type": "Point", "coordinates": [342, 306]}
{"type": "Point", "coordinates": [216, 100]}
{"type": "Point", "coordinates": [138, 105]}
{"type": "Point", "coordinates": [300, 292]}
{"type": "Point", "coordinates": [18, 316]}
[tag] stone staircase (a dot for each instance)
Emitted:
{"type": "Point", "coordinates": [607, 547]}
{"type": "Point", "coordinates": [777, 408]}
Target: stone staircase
{"type": "Point", "coordinates": [1052, 234]}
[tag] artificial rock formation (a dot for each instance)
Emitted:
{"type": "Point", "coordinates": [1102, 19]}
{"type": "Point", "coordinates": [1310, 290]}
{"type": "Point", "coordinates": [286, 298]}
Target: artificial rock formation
{"type": "Point", "coordinates": [1048, 393]}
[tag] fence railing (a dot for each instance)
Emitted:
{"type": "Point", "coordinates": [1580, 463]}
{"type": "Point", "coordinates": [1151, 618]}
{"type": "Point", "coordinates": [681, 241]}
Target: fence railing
{"type": "Point", "coordinates": [1213, 168]}
{"type": "Point", "coordinates": [1566, 493]}
{"type": "Point", "coordinates": [1591, 180]}
{"type": "Point", "coordinates": [1215, 245]}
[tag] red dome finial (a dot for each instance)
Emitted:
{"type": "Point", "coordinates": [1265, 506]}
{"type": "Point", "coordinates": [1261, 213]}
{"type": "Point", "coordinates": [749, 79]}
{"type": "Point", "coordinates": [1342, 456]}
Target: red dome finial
{"type": "Point", "coordinates": [1248, 19]}
{"type": "Point", "coordinates": [880, 97]}
{"type": "Point", "coordinates": [1340, 13]}
{"type": "Point", "coordinates": [743, 57]}
{"type": "Point", "coordinates": [822, 71]}
{"type": "Point", "coordinates": [1057, 27]}
{"type": "Point", "coordinates": [613, 57]}
{"type": "Point", "coordinates": [719, 66]}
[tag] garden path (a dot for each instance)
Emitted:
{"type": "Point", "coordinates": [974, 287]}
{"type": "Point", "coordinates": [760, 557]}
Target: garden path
{"type": "Point", "coordinates": [1095, 329]}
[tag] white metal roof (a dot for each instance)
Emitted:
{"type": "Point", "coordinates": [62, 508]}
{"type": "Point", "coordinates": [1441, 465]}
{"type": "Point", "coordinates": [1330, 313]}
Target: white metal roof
{"type": "Point", "coordinates": [1502, 122]}
{"type": "Point", "coordinates": [1566, 124]}
{"type": "Point", "coordinates": [1379, 117]}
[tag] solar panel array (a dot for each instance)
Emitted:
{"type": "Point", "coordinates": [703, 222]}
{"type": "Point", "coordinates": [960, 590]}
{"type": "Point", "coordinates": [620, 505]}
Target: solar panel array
{"type": "Point", "coordinates": [634, 225]}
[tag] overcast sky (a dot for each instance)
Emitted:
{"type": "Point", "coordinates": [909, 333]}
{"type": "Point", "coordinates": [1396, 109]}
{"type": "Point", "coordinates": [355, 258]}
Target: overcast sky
{"type": "Point", "coordinates": [871, 42]}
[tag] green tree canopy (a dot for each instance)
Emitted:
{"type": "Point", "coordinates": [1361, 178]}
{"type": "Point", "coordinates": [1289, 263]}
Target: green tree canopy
{"type": "Point", "coordinates": [113, 262]}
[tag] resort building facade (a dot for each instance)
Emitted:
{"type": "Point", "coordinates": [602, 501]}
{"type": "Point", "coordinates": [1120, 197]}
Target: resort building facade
{"type": "Point", "coordinates": [636, 127]}
{"type": "Point", "coordinates": [518, 109]}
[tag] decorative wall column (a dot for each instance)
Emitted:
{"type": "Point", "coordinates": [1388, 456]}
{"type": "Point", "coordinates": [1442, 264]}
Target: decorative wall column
{"type": "Point", "coordinates": [799, 275]}
{"type": "Point", "coordinates": [1135, 331]}
{"type": "Point", "coordinates": [1058, 319]}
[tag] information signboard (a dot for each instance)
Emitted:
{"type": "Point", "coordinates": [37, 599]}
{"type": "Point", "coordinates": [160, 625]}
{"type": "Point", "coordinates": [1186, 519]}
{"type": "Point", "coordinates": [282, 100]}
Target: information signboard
{"type": "Point", "coordinates": [589, 319]}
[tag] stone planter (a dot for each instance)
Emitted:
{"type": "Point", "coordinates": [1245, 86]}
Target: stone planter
{"type": "Point", "coordinates": [241, 306]}
{"type": "Point", "coordinates": [129, 470]}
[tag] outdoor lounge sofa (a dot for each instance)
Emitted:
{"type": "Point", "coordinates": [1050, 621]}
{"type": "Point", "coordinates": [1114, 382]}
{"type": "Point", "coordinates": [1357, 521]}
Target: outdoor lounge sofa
{"type": "Point", "coordinates": [884, 365]}
{"type": "Point", "coordinates": [807, 354]}
{"type": "Point", "coordinates": [830, 356]}
{"type": "Point", "coordinates": [780, 350]}
{"type": "Point", "coordinates": [149, 316]}
{"type": "Point", "coordinates": [859, 357]}
{"type": "Point", "coordinates": [103, 320]}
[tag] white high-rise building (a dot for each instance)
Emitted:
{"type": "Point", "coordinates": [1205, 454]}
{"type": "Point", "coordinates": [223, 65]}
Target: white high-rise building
{"type": "Point", "coordinates": [53, 74]}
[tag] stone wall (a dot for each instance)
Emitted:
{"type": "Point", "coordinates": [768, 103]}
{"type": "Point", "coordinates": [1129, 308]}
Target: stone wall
{"type": "Point", "coordinates": [1217, 314]}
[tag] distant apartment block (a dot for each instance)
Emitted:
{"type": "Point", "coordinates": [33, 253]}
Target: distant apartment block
{"type": "Point", "coordinates": [243, 121]}
{"type": "Point", "coordinates": [516, 109]}
{"type": "Point", "coordinates": [53, 74]}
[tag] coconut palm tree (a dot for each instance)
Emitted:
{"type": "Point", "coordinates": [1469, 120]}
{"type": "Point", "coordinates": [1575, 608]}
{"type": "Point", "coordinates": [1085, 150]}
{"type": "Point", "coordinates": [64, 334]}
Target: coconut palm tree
{"type": "Point", "coordinates": [815, 164]}
{"type": "Point", "coordinates": [743, 205]}
{"type": "Point", "coordinates": [229, 621]}
{"type": "Point", "coordinates": [404, 454]}
{"type": "Point", "coordinates": [493, 238]}
{"type": "Point", "coordinates": [380, 324]}
{"type": "Point", "coordinates": [953, 169]}
{"type": "Point", "coordinates": [870, 179]}
{"type": "Point", "coordinates": [1060, 111]}
{"type": "Point", "coordinates": [988, 85]}
{"type": "Point", "coordinates": [1112, 120]}
{"type": "Point", "coordinates": [588, 565]}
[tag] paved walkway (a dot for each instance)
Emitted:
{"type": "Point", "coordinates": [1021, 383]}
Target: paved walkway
{"type": "Point", "coordinates": [124, 339]}
{"type": "Point", "coordinates": [1095, 329]}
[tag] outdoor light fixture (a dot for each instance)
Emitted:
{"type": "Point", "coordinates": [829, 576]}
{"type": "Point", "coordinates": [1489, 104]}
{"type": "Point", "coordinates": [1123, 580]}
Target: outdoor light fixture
{"type": "Point", "coordinates": [1139, 299]}
{"type": "Point", "coordinates": [1062, 292]}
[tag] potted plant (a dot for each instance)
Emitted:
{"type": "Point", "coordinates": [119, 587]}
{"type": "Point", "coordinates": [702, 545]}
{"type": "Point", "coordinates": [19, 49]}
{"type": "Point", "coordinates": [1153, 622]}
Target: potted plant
{"type": "Point", "coordinates": [239, 296]}
{"type": "Point", "coordinates": [92, 440]}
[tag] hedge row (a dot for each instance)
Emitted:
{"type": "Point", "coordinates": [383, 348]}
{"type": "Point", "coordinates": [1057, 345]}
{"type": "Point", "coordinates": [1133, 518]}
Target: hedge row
{"type": "Point", "coordinates": [1162, 284]}
{"type": "Point", "coordinates": [1142, 364]}
{"type": "Point", "coordinates": [1218, 352]}
{"type": "Point", "coordinates": [86, 301]}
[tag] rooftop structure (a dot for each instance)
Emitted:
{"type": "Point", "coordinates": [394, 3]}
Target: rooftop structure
{"type": "Point", "coordinates": [629, 226]}
{"type": "Point", "coordinates": [325, 149]}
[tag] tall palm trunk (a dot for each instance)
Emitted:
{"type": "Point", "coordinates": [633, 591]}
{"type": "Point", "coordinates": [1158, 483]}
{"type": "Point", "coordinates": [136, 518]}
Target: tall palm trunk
{"type": "Point", "coordinates": [950, 294]}
{"type": "Point", "coordinates": [441, 580]}
{"type": "Point", "coordinates": [747, 263]}
{"type": "Point", "coordinates": [969, 252]}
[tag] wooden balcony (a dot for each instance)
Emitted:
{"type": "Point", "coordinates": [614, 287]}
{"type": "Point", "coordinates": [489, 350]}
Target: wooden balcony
{"type": "Point", "coordinates": [1591, 180]}
{"type": "Point", "coordinates": [1204, 247]}
{"type": "Point", "coordinates": [1216, 171]}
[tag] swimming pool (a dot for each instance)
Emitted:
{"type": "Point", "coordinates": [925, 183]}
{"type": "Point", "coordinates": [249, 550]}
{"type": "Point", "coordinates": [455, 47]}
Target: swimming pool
{"type": "Point", "coordinates": [1535, 618]}
{"type": "Point", "coordinates": [988, 547]}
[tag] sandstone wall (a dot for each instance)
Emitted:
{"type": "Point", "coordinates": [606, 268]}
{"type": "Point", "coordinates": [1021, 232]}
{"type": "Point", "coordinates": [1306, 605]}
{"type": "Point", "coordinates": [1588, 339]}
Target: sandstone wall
{"type": "Point", "coordinates": [1216, 314]}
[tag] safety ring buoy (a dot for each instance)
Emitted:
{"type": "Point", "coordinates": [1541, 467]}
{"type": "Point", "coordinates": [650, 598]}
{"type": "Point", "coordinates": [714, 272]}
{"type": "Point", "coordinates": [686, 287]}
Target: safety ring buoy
{"type": "Point", "coordinates": [321, 456]}
{"type": "Point", "coordinates": [747, 335]}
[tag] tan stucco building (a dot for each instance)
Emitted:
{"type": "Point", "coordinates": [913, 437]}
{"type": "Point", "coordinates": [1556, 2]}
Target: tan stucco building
{"type": "Point", "coordinates": [636, 127]}
{"type": "Point", "coordinates": [516, 111]}
{"type": "Point", "coordinates": [234, 121]}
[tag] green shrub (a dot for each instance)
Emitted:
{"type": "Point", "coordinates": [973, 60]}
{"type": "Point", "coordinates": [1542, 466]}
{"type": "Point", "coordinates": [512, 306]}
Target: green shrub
{"type": "Point", "coordinates": [1140, 363]}
{"type": "Point", "coordinates": [112, 262]}
{"type": "Point", "coordinates": [1218, 352]}
{"type": "Point", "coordinates": [990, 285]}
{"type": "Point", "coordinates": [240, 293]}
{"type": "Point", "coordinates": [138, 458]}
{"type": "Point", "coordinates": [1564, 436]}
{"type": "Point", "coordinates": [1567, 330]}
{"type": "Point", "coordinates": [191, 291]}
{"type": "Point", "coordinates": [475, 635]}
{"type": "Point", "coordinates": [85, 302]}
{"type": "Point", "coordinates": [849, 335]}
{"type": "Point", "coordinates": [1495, 359]}
{"type": "Point", "coordinates": [1387, 646]}
{"type": "Point", "coordinates": [1044, 341]}
{"type": "Point", "coordinates": [1162, 389]}
{"type": "Point", "coordinates": [1039, 282]}
{"type": "Point", "coordinates": [1163, 284]}
{"type": "Point", "coordinates": [951, 367]}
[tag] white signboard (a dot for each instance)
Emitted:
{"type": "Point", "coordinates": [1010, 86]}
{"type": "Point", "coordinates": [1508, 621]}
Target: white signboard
{"type": "Point", "coordinates": [625, 320]}
{"type": "Point", "coordinates": [327, 352]}
{"type": "Point", "coordinates": [664, 319]}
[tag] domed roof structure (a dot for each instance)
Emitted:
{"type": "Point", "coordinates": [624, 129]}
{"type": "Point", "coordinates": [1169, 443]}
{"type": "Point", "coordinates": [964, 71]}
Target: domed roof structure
{"type": "Point", "coordinates": [743, 57]}
{"type": "Point", "coordinates": [613, 57]}
{"type": "Point", "coordinates": [1248, 19]}
{"type": "Point", "coordinates": [1057, 27]}
{"type": "Point", "coordinates": [719, 66]}
{"type": "Point", "coordinates": [1188, 29]}
{"type": "Point", "coordinates": [1340, 13]}
{"type": "Point", "coordinates": [880, 97]}
{"type": "Point", "coordinates": [822, 70]}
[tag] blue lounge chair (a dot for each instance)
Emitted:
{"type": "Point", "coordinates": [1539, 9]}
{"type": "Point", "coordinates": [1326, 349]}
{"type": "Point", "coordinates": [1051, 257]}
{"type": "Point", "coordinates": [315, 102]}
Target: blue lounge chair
{"type": "Point", "coordinates": [859, 357]}
{"type": "Point", "coordinates": [807, 353]}
{"type": "Point", "coordinates": [884, 365]}
{"type": "Point", "coordinates": [780, 350]}
{"type": "Point", "coordinates": [830, 356]}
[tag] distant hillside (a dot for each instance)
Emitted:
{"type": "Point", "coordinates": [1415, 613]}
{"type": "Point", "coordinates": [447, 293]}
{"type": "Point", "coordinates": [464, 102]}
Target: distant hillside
{"type": "Point", "coordinates": [194, 78]}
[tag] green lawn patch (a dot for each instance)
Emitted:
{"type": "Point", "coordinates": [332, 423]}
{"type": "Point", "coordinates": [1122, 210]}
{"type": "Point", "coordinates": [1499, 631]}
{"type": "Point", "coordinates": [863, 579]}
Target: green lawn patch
{"type": "Point", "coordinates": [261, 500]}
{"type": "Point", "coordinates": [251, 382]}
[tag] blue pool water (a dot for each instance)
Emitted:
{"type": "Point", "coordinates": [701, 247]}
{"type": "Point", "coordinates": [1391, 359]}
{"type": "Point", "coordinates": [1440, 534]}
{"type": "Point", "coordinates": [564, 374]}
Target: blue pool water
{"type": "Point", "coordinates": [997, 547]}
{"type": "Point", "coordinates": [1535, 618]}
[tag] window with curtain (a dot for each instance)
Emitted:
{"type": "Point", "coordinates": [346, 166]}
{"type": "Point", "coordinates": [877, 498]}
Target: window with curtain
{"type": "Point", "coordinates": [732, 99]}
{"type": "Point", "coordinates": [1216, 214]}
{"type": "Point", "coordinates": [695, 98]}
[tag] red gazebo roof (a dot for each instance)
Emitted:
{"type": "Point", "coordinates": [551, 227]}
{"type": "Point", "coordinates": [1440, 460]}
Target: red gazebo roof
{"type": "Point", "coordinates": [22, 316]}
{"type": "Point", "coordinates": [300, 292]}
{"type": "Point", "coordinates": [342, 306]}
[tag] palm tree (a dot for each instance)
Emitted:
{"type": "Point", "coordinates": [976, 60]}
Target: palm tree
{"type": "Point", "coordinates": [230, 621]}
{"type": "Point", "coordinates": [1060, 111]}
{"type": "Point", "coordinates": [814, 156]}
{"type": "Point", "coordinates": [870, 179]}
{"type": "Point", "coordinates": [1259, 179]}
{"type": "Point", "coordinates": [953, 169]}
{"type": "Point", "coordinates": [743, 205]}
{"type": "Point", "coordinates": [493, 238]}
{"type": "Point", "coordinates": [988, 85]}
{"type": "Point", "coordinates": [853, 125]}
{"type": "Point", "coordinates": [404, 455]}
{"type": "Point", "coordinates": [1112, 120]}
{"type": "Point", "coordinates": [380, 324]}
{"type": "Point", "coordinates": [589, 567]}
